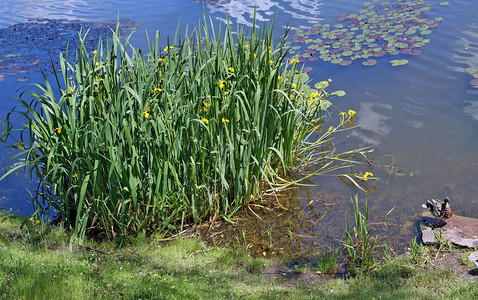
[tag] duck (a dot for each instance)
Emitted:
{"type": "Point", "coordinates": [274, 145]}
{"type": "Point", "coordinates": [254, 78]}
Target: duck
{"type": "Point", "coordinates": [439, 209]}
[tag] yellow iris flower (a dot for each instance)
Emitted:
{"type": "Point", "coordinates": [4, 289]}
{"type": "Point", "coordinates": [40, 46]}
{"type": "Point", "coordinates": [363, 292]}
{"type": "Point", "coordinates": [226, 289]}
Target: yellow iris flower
{"type": "Point", "coordinates": [222, 84]}
{"type": "Point", "coordinates": [146, 113]}
{"type": "Point", "coordinates": [34, 222]}
{"type": "Point", "coordinates": [206, 106]}
{"type": "Point", "coordinates": [367, 174]}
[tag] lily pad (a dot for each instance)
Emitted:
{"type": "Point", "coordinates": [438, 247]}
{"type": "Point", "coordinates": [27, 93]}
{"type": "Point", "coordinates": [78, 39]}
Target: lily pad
{"type": "Point", "coordinates": [471, 70]}
{"type": "Point", "coordinates": [338, 93]}
{"type": "Point", "coordinates": [418, 45]}
{"type": "Point", "coordinates": [307, 69]}
{"type": "Point", "coordinates": [345, 62]}
{"type": "Point", "coordinates": [22, 78]}
{"type": "Point", "coordinates": [474, 82]}
{"type": "Point", "coordinates": [379, 53]}
{"type": "Point", "coordinates": [415, 52]}
{"type": "Point", "coordinates": [336, 60]}
{"type": "Point", "coordinates": [369, 62]}
{"type": "Point", "coordinates": [399, 62]}
{"type": "Point", "coordinates": [401, 45]}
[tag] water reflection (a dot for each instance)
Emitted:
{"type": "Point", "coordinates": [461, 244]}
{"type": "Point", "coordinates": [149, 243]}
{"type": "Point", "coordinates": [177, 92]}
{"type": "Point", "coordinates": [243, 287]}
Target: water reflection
{"type": "Point", "coordinates": [472, 109]}
{"type": "Point", "coordinates": [242, 12]}
{"type": "Point", "coordinates": [466, 53]}
{"type": "Point", "coordinates": [20, 11]}
{"type": "Point", "coordinates": [372, 122]}
{"type": "Point", "coordinates": [466, 50]}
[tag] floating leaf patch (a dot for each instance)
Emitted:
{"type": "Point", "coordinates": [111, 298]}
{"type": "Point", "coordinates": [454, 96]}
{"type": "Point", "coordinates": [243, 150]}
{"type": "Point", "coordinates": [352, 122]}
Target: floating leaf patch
{"type": "Point", "coordinates": [307, 69]}
{"type": "Point", "coordinates": [22, 78]}
{"type": "Point", "coordinates": [381, 28]}
{"type": "Point", "coordinates": [471, 70]}
{"type": "Point", "coordinates": [27, 47]}
{"type": "Point", "coordinates": [369, 62]}
{"type": "Point", "coordinates": [338, 93]}
{"type": "Point", "coordinates": [399, 62]}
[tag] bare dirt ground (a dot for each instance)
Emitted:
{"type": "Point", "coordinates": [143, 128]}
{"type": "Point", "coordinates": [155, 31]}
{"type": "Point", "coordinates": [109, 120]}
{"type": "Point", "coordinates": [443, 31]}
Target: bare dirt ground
{"type": "Point", "coordinates": [434, 261]}
{"type": "Point", "coordinates": [453, 261]}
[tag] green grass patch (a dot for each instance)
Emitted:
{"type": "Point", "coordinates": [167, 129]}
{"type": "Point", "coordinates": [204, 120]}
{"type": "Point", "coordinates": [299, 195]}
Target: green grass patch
{"type": "Point", "coordinates": [31, 268]}
{"type": "Point", "coordinates": [327, 262]}
{"type": "Point", "coordinates": [36, 263]}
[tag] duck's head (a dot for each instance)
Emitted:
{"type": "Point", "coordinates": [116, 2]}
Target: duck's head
{"type": "Point", "coordinates": [446, 202]}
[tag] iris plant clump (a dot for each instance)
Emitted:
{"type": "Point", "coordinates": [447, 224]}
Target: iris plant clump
{"type": "Point", "coordinates": [124, 141]}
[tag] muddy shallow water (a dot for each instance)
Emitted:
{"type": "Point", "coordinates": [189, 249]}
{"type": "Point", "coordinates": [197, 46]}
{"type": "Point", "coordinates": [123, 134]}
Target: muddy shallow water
{"type": "Point", "coordinates": [421, 118]}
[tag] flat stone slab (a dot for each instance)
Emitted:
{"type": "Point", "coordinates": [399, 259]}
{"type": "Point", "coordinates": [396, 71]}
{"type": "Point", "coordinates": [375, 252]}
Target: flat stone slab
{"type": "Point", "coordinates": [461, 231]}
{"type": "Point", "coordinates": [473, 257]}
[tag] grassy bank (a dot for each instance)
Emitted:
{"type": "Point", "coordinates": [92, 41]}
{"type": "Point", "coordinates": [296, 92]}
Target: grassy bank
{"type": "Point", "coordinates": [35, 263]}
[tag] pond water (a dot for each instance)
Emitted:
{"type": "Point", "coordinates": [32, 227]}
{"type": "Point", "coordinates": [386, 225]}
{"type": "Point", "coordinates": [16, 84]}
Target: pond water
{"type": "Point", "coordinates": [421, 118]}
